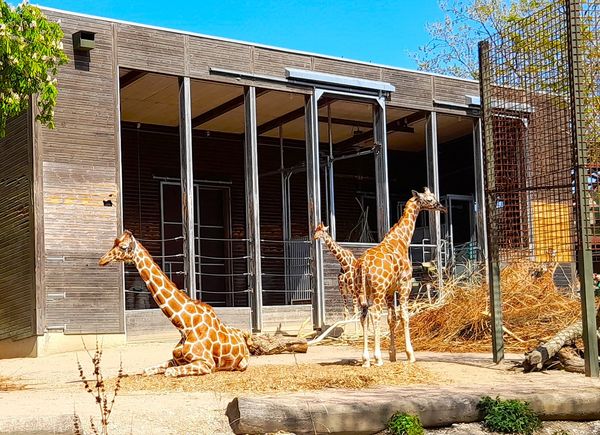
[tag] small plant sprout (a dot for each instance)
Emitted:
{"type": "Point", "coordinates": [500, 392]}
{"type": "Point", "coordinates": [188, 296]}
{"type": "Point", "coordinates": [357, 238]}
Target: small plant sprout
{"type": "Point", "coordinates": [402, 423]}
{"type": "Point", "coordinates": [97, 388]}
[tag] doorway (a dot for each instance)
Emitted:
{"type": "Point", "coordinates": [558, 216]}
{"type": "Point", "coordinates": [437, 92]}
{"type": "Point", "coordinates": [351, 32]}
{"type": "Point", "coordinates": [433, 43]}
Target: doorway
{"type": "Point", "coordinates": [212, 216]}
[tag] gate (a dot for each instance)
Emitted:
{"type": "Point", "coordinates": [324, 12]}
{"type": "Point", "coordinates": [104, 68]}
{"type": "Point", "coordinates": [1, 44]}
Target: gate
{"type": "Point", "coordinates": [540, 82]}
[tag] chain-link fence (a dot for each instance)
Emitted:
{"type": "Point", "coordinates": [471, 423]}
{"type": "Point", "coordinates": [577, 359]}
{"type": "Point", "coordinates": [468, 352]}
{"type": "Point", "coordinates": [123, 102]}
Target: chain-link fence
{"type": "Point", "coordinates": [531, 156]}
{"type": "Point", "coordinates": [540, 85]}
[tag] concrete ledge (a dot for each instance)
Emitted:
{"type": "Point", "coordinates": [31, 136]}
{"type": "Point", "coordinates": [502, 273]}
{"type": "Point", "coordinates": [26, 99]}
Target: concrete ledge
{"type": "Point", "coordinates": [39, 425]}
{"type": "Point", "coordinates": [367, 411]}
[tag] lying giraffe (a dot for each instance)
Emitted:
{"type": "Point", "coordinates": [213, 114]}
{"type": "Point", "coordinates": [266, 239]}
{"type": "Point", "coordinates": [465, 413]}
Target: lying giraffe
{"type": "Point", "coordinates": [206, 344]}
{"type": "Point", "coordinates": [346, 276]}
{"type": "Point", "coordinates": [385, 269]}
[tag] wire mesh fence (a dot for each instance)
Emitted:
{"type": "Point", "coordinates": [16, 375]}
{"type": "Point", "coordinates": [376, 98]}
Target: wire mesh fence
{"type": "Point", "coordinates": [534, 89]}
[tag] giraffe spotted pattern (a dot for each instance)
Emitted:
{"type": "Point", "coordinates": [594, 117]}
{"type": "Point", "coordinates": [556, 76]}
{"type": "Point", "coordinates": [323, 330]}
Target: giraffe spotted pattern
{"type": "Point", "coordinates": [346, 276]}
{"type": "Point", "coordinates": [206, 344]}
{"type": "Point", "coordinates": [385, 269]}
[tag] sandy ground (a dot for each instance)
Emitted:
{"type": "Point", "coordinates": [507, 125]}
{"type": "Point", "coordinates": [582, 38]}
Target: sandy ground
{"type": "Point", "coordinates": [53, 387]}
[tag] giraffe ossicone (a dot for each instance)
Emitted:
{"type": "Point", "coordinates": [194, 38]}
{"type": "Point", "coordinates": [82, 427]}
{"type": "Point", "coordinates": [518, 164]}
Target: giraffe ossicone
{"type": "Point", "coordinates": [206, 344]}
{"type": "Point", "coordinates": [386, 269]}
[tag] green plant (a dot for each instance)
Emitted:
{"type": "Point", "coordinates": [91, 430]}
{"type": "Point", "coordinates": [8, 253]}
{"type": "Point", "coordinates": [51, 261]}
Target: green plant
{"type": "Point", "coordinates": [30, 53]}
{"type": "Point", "coordinates": [508, 416]}
{"type": "Point", "coordinates": [402, 423]}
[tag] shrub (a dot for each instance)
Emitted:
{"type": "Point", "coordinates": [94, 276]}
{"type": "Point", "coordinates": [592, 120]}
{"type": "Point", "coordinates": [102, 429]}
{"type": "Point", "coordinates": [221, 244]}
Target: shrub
{"type": "Point", "coordinates": [405, 424]}
{"type": "Point", "coordinates": [508, 416]}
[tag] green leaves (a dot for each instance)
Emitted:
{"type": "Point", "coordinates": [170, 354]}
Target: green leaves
{"type": "Point", "coordinates": [508, 416]}
{"type": "Point", "coordinates": [31, 52]}
{"type": "Point", "coordinates": [405, 424]}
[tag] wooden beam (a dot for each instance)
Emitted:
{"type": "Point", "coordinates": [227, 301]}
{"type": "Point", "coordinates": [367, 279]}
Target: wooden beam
{"type": "Point", "coordinates": [215, 112]}
{"type": "Point", "coordinates": [130, 78]}
{"type": "Point", "coordinates": [288, 117]}
{"type": "Point", "coordinates": [401, 125]}
{"type": "Point", "coordinates": [351, 122]}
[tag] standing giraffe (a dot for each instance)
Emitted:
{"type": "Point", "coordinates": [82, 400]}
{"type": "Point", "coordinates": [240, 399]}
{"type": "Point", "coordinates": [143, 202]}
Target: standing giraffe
{"type": "Point", "coordinates": [347, 264]}
{"type": "Point", "coordinates": [385, 269]}
{"type": "Point", "coordinates": [206, 344]}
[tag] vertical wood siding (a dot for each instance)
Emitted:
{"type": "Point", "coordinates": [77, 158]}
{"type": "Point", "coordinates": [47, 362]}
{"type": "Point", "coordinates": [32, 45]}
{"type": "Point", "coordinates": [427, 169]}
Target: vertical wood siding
{"type": "Point", "coordinates": [17, 256]}
{"type": "Point", "coordinates": [80, 171]}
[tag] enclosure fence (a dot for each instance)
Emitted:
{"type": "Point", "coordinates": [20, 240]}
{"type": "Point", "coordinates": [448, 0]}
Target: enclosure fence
{"type": "Point", "coordinates": [540, 98]}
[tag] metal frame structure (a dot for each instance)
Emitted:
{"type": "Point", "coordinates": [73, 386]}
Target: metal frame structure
{"type": "Point", "coordinates": [433, 182]}
{"type": "Point", "coordinates": [187, 184]}
{"type": "Point", "coordinates": [252, 207]}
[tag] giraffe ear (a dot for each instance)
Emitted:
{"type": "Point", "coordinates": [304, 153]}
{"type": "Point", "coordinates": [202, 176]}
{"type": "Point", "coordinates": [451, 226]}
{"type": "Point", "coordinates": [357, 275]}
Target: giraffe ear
{"type": "Point", "coordinates": [415, 193]}
{"type": "Point", "coordinates": [426, 190]}
{"type": "Point", "coordinates": [325, 228]}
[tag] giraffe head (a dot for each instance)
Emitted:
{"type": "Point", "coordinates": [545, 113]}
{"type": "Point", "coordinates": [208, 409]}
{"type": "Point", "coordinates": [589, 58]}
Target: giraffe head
{"type": "Point", "coordinates": [320, 231]}
{"type": "Point", "coordinates": [122, 250]}
{"type": "Point", "coordinates": [428, 201]}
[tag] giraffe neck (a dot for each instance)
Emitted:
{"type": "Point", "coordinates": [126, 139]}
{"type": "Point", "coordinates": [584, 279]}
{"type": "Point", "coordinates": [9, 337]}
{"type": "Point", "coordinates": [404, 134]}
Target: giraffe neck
{"type": "Point", "coordinates": [337, 251]}
{"type": "Point", "coordinates": [158, 283]}
{"type": "Point", "coordinates": [403, 230]}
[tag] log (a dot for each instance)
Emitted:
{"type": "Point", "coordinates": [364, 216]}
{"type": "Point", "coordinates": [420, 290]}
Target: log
{"type": "Point", "coordinates": [275, 344]}
{"type": "Point", "coordinates": [571, 361]}
{"type": "Point", "coordinates": [536, 359]}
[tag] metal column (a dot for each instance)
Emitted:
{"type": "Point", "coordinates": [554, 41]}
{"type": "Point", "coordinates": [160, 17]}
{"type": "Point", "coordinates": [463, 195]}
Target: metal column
{"type": "Point", "coordinates": [314, 205]}
{"type": "Point", "coordinates": [584, 253]}
{"type": "Point", "coordinates": [187, 184]}
{"type": "Point", "coordinates": [433, 183]}
{"type": "Point", "coordinates": [480, 209]}
{"type": "Point", "coordinates": [252, 207]}
{"type": "Point", "coordinates": [493, 250]}
{"type": "Point", "coordinates": [381, 168]}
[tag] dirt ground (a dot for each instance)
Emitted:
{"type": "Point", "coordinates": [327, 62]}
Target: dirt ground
{"type": "Point", "coordinates": [53, 388]}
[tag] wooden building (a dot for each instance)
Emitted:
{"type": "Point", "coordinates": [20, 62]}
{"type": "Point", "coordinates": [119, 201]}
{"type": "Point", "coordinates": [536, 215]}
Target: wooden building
{"type": "Point", "coordinates": [261, 142]}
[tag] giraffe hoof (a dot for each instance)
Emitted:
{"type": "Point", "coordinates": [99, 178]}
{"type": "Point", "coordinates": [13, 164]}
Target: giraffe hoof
{"type": "Point", "coordinates": [366, 364]}
{"type": "Point", "coordinates": [379, 363]}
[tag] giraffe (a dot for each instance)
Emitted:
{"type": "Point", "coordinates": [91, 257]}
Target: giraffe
{"type": "Point", "coordinates": [346, 276]}
{"type": "Point", "coordinates": [206, 344]}
{"type": "Point", "coordinates": [385, 269]}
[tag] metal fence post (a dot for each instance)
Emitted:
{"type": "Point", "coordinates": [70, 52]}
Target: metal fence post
{"type": "Point", "coordinates": [314, 205]}
{"type": "Point", "coordinates": [584, 253]}
{"type": "Point", "coordinates": [493, 252]}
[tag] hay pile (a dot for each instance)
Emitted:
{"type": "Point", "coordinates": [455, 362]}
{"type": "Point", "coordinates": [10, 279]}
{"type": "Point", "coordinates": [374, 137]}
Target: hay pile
{"type": "Point", "coordinates": [534, 310]}
{"type": "Point", "coordinates": [8, 384]}
{"type": "Point", "coordinates": [280, 378]}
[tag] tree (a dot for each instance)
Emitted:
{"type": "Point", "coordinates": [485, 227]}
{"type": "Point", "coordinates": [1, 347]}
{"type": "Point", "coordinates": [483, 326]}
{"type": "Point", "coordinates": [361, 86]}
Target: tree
{"type": "Point", "coordinates": [453, 46]}
{"type": "Point", "coordinates": [30, 53]}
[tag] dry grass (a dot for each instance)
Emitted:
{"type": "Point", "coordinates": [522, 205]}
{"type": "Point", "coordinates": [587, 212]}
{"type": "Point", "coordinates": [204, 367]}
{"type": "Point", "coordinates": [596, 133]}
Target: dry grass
{"type": "Point", "coordinates": [533, 309]}
{"type": "Point", "coordinates": [9, 384]}
{"type": "Point", "coordinates": [287, 378]}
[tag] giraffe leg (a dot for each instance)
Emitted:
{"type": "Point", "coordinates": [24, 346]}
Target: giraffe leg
{"type": "Point", "coordinates": [198, 367]}
{"type": "Point", "coordinates": [376, 316]}
{"type": "Point", "coordinates": [366, 359]}
{"type": "Point", "coordinates": [403, 300]}
{"type": "Point", "coordinates": [199, 361]}
{"type": "Point", "coordinates": [159, 368]}
{"type": "Point", "coordinates": [343, 294]}
{"type": "Point", "coordinates": [392, 325]}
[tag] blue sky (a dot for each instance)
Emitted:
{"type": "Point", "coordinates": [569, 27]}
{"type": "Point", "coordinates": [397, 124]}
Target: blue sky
{"type": "Point", "coordinates": [372, 31]}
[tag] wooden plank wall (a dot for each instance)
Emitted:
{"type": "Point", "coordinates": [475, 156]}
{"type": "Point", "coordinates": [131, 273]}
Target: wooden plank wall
{"type": "Point", "coordinates": [80, 172]}
{"type": "Point", "coordinates": [17, 256]}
